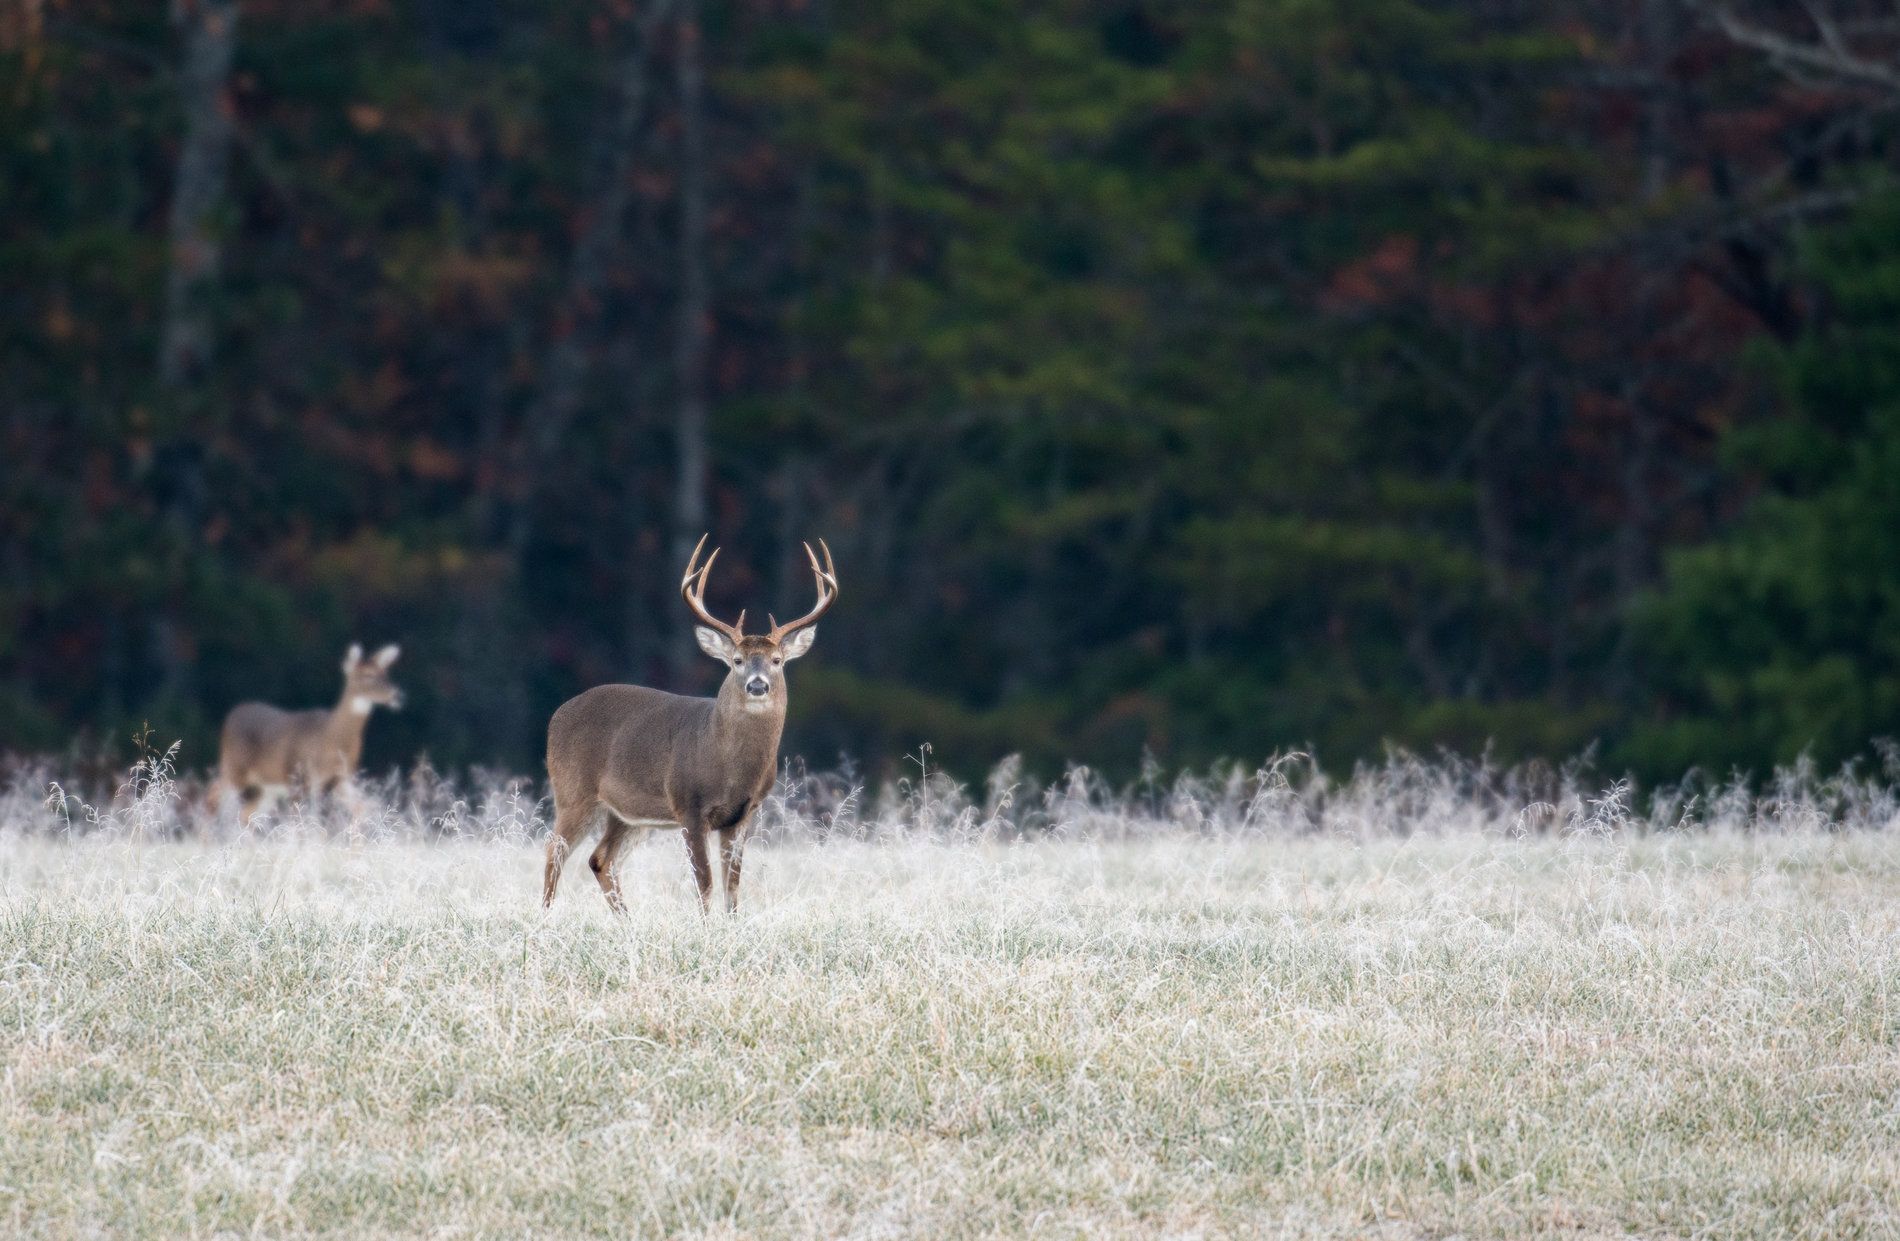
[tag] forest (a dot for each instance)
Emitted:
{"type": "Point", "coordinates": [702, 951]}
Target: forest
{"type": "Point", "coordinates": [1171, 382]}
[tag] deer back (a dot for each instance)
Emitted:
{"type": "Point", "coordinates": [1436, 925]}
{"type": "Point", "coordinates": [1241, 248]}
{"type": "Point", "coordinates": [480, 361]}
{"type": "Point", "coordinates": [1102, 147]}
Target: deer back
{"type": "Point", "coordinates": [263, 744]}
{"type": "Point", "coordinates": [649, 754]}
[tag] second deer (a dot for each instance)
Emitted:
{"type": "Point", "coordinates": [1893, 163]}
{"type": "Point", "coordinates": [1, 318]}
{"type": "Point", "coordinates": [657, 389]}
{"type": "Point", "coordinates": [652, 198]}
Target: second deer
{"type": "Point", "coordinates": [636, 758]}
{"type": "Point", "coordinates": [265, 752]}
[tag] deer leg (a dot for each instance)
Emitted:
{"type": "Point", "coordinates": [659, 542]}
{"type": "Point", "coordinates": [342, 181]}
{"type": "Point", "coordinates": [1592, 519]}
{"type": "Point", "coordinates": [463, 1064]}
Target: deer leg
{"type": "Point", "coordinates": [354, 805]}
{"type": "Point", "coordinates": [215, 797]}
{"type": "Point", "coordinates": [571, 824]}
{"type": "Point", "coordinates": [248, 801]}
{"type": "Point", "coordinates": [323, 792]}
{"type": "Point", "coordinates": [269, 801]}
{"type": "Point", "coordinates": [695, 834]}
{"type": "Point", "coordinates": [731, 854]}
{"type": "Point", "coordinates": [602, 862]}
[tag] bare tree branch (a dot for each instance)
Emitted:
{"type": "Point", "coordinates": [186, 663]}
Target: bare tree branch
{"type": "Point", "coordinates": [1824, 24]}
{"type": "Point", "coordinates": [1831, 57]}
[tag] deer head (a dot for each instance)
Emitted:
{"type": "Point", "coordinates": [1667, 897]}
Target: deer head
{"type": "Point", "coordinates": [366, 683]}
{"type": "Point", "coordinates": [756, 662]}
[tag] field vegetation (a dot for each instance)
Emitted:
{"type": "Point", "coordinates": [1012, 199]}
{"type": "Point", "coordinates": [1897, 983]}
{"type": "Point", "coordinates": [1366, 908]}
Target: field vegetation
{"type": "Point", "coordinates": [1412, 1003]}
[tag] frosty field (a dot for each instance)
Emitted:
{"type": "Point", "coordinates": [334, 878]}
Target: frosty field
{"type": "Point", "coordinates": [1169, 1032]}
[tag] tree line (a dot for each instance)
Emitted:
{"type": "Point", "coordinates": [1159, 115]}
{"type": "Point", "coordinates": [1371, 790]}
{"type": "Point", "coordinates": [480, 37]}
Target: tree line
{"type": "Point", "coordinates": [1182, 381]}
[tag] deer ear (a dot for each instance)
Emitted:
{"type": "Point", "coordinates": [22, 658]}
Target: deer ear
{"type": "Point", "coordinates": [353, 656]}
{"type": "Point", "coordinates": [387, 656]}
{"type": "Point", "coordinates": [799, 642]}
{"type": "Point", "coordinates": [715, 644]}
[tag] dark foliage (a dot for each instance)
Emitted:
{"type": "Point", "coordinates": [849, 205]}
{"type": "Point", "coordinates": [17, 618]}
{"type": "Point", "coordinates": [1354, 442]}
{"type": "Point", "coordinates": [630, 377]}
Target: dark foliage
{"type": "Point", "coordinates": [1198, 380]}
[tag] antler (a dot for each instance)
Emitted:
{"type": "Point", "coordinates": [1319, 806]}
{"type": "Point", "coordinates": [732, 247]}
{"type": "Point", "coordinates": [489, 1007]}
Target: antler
{"type": "Point", "coordinates": [827, 595]}
{"type": "Point", "coordinates": [693, 590]}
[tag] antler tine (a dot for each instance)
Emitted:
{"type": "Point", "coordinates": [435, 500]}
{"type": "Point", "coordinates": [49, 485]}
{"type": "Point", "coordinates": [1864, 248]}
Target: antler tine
{"type": "Point", "coordinates": [693, 591]}
{"type": "Point", "coordinates": [827, 593]}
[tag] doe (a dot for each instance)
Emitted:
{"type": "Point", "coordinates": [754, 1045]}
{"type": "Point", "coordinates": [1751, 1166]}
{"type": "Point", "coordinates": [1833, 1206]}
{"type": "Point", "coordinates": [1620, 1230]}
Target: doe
{"type": "Point", "coordinates": [638, 758]}
{"type": "Point", "coordinates": [265, 750]}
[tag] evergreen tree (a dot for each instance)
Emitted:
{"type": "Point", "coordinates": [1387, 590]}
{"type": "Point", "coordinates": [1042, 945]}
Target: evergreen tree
{"type": "Point", "coordinates": [1783, 636]}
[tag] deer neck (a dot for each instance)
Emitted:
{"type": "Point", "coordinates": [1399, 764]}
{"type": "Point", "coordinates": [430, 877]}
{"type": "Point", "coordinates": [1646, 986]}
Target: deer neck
{"type": "Point", "coordinates": [737, 726]}
{"type": "Point", "coordinates": [348, 720]}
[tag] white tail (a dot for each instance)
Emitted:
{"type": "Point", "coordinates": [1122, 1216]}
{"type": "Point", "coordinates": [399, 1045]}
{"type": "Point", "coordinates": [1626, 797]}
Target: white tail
{"type": "Point", "coordinates": [639, 758]}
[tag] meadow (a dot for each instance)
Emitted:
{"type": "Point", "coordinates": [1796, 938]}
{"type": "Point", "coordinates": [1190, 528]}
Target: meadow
{"type": "Point", "coordinates": [1433, 999]}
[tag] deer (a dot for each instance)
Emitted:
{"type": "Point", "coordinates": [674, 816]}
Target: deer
{"type": "Point", "coordinates": [634, 759]}
{"type": "Point", "coordinates": [265, 750]}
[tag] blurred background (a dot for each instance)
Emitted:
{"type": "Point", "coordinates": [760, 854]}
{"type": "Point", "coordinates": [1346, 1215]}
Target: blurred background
{"type": "Point", "coordinates": [1182, 380]}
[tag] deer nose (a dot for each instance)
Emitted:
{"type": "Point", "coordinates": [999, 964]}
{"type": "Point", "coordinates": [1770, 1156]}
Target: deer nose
{"type": "Point", "coordinates": [758, 686]}
{"type": "Point", "coordinates": [395, 700]}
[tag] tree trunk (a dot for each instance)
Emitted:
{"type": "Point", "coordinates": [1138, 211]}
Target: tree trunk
{"type": "Point", "coordinates": [577, 331]}
{"type": "Point", "coordinates": [209, 29]}
{"type": "Point", "coordinates": [1633, 555]}
{"type": "Point", "coordinates": [496, 627]}
{"type": "Point", "coordinates": [694, 339]}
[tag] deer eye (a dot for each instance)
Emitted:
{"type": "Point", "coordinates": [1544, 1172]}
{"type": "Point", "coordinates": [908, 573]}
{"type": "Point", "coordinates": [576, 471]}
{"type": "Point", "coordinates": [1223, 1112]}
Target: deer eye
{"type": "Point", "coordinates": [777, 660]}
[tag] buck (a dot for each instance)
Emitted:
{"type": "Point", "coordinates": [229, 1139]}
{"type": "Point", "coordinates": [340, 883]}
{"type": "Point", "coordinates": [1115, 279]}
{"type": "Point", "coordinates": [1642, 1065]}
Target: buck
{"type": "Point", "coordinates": [266, 751]}
{"type": "Point", "coordinates": [636, 758]}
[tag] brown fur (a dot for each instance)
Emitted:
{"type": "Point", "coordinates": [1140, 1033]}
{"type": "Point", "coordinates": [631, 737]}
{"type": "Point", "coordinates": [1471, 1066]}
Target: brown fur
{"type": "Point", "coordinates": [643, 758]}
{"type": "Point", "coordinates": [633, 757]}
{"type": "Point", "coordinates": [264, 747]}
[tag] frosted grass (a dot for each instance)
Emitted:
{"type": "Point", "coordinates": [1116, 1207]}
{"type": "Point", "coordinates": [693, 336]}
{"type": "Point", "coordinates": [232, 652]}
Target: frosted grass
{"type": "Point", "coordinates": [1288, 796]}
{"type": "Point", "coordinates": [1244, 1009]}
